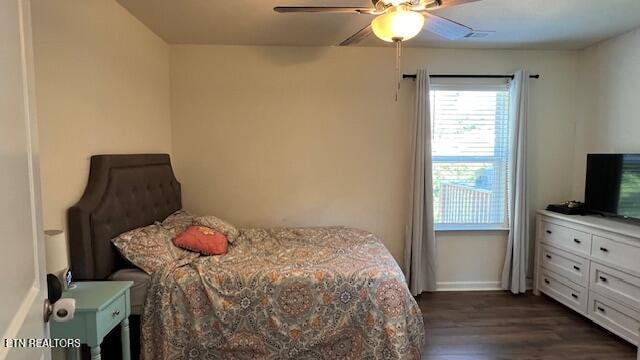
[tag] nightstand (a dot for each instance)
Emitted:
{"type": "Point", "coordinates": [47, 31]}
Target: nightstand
{"type": "Point", "coordinates": [100, 307]}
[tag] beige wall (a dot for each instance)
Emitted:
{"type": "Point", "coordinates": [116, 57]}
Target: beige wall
{"type": "Point", "coordinates": [470, 260]}
{"type": "Point", "coordinates": [282, 136]}
{"type": "Point", "coordinates": [609, 111]}
{"type": "Point", "coordinates": [102, 83]}
{"type": "Point", "coordinates": [272, 136]}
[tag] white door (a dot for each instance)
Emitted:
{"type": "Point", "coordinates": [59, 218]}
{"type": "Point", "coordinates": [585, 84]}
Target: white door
{"type": "Point", "coordinates": [22, 274]}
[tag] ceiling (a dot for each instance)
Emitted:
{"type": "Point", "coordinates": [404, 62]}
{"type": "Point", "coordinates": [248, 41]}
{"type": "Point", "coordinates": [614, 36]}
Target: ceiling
{"type": "Point", "coordinates": [533, 24]}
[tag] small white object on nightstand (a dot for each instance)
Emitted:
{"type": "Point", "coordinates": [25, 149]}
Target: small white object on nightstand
{"type": "Point", "coordinates": [57, 255]}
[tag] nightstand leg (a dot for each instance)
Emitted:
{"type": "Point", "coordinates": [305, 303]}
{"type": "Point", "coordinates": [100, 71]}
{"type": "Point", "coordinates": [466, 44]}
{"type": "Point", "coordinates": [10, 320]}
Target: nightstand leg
{"type": "Point", "coordinates": [124, 338]}
{"type": "Point", "coordinates": [95, 352]}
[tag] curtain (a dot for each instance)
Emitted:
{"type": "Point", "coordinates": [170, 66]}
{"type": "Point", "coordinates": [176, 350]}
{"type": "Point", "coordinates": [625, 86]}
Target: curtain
{"type": "Point", "coordinates": [514, 272]}
{"type": "Point", "coordinates": [420, 243]}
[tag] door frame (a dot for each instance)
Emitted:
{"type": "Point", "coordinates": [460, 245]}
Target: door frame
{"type": "Point", "coordinates": [23, 322]}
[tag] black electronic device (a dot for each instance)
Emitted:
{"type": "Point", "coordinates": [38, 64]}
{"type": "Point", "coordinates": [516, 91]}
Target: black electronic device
{"type": "Point", "coordinates": [612, 186]}
{"type": "Point", "coordinates": [568, 208]}
{"type": "Point", "coordinates": [54, 288]}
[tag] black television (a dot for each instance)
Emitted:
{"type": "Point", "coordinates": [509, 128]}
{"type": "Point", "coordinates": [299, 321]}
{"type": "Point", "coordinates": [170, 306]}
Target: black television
{"type": "Point", "coordinates": [613, 185]}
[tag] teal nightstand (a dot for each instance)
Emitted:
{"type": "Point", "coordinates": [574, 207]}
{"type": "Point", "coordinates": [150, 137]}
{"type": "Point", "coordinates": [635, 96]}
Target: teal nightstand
{"type": "Point", "coordinates": [100, 306]}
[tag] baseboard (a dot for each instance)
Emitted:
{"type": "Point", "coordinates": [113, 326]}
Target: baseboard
{"type": "Point", "coordinates": [529, 284]}
{"type": "Point", "coordinates": [468, 285]}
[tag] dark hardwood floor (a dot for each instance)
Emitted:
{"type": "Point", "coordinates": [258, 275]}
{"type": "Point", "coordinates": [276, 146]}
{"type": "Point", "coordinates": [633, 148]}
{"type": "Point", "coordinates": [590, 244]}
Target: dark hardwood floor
{"type": "Point", "coordinates": [498, 325]}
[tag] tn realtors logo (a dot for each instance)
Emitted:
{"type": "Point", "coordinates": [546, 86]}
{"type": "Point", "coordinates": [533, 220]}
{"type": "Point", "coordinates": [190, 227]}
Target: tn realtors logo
{"type": "Point", "coordinates": [40, 343]}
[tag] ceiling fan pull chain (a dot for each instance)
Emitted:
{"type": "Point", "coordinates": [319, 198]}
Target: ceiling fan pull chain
{"type": "Point", "coordinates": [398, 56]}
{"type": "Point", "coordinates": [399, 64]}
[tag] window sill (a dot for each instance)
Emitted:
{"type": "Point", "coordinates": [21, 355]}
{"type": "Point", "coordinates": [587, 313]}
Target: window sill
{"type": "Point", "coordinates": [470, 227]}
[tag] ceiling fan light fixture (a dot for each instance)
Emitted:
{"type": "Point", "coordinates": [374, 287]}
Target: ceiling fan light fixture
{"type": "Point", "coordinates": [398, 24]}
{"type": "Point", "coordinates": [393, 2]}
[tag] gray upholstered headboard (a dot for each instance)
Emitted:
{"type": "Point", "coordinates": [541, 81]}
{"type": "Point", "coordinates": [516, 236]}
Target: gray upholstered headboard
{"type": "Point", "coordinates": [124, 192]}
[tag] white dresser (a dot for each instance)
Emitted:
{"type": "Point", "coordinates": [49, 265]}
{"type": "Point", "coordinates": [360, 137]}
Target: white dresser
{"type": "Point", "coordinates": [592, 265]}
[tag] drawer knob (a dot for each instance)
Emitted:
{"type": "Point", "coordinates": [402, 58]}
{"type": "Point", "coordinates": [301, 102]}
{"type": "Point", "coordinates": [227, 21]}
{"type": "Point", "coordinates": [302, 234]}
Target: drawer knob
{"type": "Point", "coordinates": [603, 279]}
{"type": "Point", "coordinates": [115, 313]}
{"type": "Point", "coordinates": [549, 232]}
{"type": "Point", "coordinates": [601, 309]}
{"type": "Point", "coordinates": [576, 268]}
{"type": "Point", "coordinates": [577, 241]}
{"type": "Point", "coordinates": [548, 256]}
{"type": "Point", "coordinates": [546, 281]}
{"type": "Point", "coordinates": [574, 296]}
{"type": "Point", "coordinates": [604, 249]}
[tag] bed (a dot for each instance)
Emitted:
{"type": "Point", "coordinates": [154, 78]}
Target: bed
{"type": "Point", "coordinates": [282, 293]}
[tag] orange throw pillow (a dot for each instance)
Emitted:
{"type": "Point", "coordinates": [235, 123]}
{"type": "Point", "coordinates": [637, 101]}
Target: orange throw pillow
{"type": "Point", "coordinates": [203, 240]}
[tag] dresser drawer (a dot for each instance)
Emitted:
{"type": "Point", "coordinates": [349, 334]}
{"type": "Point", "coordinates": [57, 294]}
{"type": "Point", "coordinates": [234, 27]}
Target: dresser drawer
{"type": "Point", "coordinates": [563, 290]}
{"type": "Point", "coordinates": [620, 286]}
{"type": "Point", "coordinates": [112, 314]}
{"type": "Point", "coordinates": [616, 253]}
{"type": "Point", "coordinates": [574, 268]}
{"type": "Point", "coordinates": [618, 318]}
{"type": "Point", "coordinates": [566, 238]}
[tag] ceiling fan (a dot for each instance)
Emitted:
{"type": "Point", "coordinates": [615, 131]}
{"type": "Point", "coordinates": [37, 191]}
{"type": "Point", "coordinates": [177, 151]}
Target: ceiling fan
{"type": "Point", "coordinates": [396, 20]}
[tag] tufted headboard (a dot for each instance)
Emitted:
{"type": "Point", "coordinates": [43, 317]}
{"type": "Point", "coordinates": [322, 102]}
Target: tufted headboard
{"type": "Point", "coordinates": [123, 192]}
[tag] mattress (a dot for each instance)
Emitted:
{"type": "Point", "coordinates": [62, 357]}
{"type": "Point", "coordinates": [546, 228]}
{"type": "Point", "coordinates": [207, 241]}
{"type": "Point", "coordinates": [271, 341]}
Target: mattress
{"type": "Point", "coordinates": [141, 281]}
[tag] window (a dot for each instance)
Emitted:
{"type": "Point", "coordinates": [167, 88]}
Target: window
{"type": "Point", "coordinates": [471, 149]}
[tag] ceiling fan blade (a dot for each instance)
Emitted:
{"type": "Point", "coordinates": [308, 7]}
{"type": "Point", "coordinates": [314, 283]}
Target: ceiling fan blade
{"type": "Point", "coordinates": [449, 3]}
{"type": "Point", "coordinates": [357, 37]}
{"type": "Point", "coordinates": [323, 9]}
{"type": "Point", "coordinates": [446, 28]}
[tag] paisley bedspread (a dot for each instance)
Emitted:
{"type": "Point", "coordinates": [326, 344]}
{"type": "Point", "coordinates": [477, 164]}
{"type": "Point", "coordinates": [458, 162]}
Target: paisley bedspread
{"type": "Point", "coordinates": [290, 293]}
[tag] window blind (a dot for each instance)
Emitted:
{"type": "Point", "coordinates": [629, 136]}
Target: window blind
{"type": "Point", "coordinates": [471, 150]}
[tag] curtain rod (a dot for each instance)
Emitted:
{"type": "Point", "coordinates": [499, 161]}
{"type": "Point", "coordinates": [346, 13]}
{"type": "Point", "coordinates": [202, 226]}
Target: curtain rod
{"type": "Point", "coordinates": [413, 76]}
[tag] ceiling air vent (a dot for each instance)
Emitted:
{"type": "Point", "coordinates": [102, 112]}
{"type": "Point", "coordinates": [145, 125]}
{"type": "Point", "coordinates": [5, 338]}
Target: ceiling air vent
{"type": "Point", "coordinates": [478, 34]}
